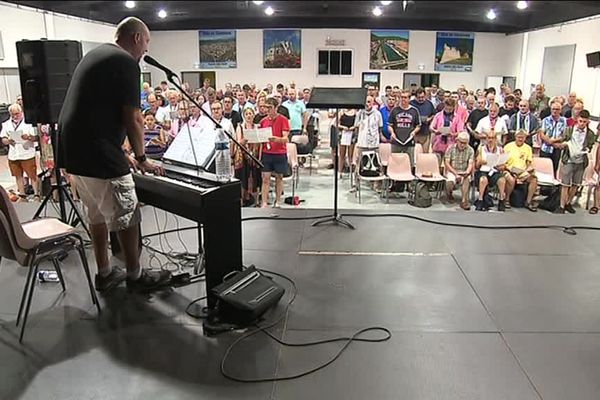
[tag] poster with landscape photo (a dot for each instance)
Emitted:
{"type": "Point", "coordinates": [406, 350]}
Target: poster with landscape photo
{"type": "Point", "coordinates": [217, 49]}
{"type": "Point", "coordinates": [282, 48]}
{"type": "Point", "coordinates": [454, 51]}
{"type": "Point", "coordinates": [389, 49]}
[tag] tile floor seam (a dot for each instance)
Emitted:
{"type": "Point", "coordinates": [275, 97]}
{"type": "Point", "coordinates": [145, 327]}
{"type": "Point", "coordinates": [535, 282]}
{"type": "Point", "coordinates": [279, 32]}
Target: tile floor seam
{"type": "Point", "coordinates": [500, 334]}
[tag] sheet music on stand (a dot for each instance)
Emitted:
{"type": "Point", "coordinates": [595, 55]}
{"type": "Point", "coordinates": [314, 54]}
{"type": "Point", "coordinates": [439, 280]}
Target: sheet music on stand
{"type": "Point", "coordinates": [193, 146]}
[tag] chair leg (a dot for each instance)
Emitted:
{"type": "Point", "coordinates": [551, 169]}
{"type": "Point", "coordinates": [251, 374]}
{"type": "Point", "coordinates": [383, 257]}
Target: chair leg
{"type": "Point", "coordinates": [28, 306]}
{"type": "Point", "coordinates": [59, 273]}
{"type": "Point", "coordinates": [28, 283]}
{"type": "Point", "coordinates": [86, 268]}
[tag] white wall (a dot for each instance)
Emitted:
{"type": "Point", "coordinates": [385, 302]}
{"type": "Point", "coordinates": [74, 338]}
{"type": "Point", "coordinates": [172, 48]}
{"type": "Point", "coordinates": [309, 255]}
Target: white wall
{"type": "Point", "coordinates": [23, 23]}
{"type": "Point", "coordinates": [585, 81]}
{"type": "Point", "coordinates": [494, 54]}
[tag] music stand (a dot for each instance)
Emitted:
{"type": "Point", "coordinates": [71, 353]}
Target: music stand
{"type": "Point", "coordinates": [336, 98]}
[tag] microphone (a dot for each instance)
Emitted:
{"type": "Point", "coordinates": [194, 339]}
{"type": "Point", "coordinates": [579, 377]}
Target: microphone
{"type": "Point", "coordinates": [154, 63]}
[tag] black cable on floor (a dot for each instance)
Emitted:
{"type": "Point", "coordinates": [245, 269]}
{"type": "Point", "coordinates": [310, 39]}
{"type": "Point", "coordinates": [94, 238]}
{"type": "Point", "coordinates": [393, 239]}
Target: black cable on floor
{"type": "Point", "coordinates": [264, 329]}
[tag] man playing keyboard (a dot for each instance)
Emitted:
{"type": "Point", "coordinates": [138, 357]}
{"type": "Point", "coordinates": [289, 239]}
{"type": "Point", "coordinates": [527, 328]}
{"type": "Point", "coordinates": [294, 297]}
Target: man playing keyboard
{"type": "Point", "coordinates": [92, 140]}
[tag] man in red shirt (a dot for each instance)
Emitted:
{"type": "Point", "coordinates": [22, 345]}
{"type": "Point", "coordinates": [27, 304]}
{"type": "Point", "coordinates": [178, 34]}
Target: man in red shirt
{"type": "Point", "coordinates": [274, 152]}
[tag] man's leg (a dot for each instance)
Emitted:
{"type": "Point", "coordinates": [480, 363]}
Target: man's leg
{"type": "Point", "coordinates": [532, 180]}
{"type": "Point", "coordinates": [572, 193]}
{"type": "Point", "coordinates": [129, 239]}
{"type": "Point", "coordinates": [564, 196]}
{"type": "Point", "coordinates": [99, 236]}
{"type": "Point", "coordinates": [466, 184]}
{"type": "Point", "coordinates": [501, 188]}
{"type": "Point", "coordinates": [510, 185]}
{"type": "Point", "coordinates": [266, 181]}
{"type": "Point", "coordinates": [278, 188]}
{"type": "Point", "coordinates": [483, 182]}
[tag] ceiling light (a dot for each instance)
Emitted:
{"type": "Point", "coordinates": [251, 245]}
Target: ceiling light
{"type": "Point", "coordinates": [404, 4]}
{"type": "Point", "coordinates": [258, 3]}
{"type": "Point", "coordinates": [269, 10]}
{"type": "Point", "coordinates": [491, 15]}
{"type": "Point", "coordinates": [377, 11]}
{"type": "Point", "coordinates": [386, 3]}
{"type": "Point", "coordinates": [162, 13]}
{"type": "Point", "coordinates": [521, 5]}
{"type": "Point", "coordinates": [130, 4]}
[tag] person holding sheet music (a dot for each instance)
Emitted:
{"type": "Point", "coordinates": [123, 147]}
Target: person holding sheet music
{"type": "Point", "coordinates": [489, 165]}
{"type": "Point", "coordinates": [403, 124]}
{"type": "Point", "coordinates": [245, 169]}
{"type": "Point", "coordinates": [445, 126]}
{"type": "Point", "coordinates": [274, 152]}
{"type": "Point", "coordinates": [519, 168]}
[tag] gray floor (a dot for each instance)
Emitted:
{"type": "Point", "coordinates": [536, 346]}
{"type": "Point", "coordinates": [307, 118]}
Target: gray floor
{"type": "Point", "coordinates": [475, 314]}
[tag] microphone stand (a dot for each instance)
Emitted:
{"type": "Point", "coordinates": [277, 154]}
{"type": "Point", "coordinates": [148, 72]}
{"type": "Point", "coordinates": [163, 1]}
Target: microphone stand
{"type": "Point", "coordinates": [170, 78]}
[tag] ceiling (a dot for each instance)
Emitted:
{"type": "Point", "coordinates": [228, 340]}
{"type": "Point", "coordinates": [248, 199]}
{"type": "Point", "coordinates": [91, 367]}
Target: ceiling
{"type": "Point", "coordinates": [418, 15]}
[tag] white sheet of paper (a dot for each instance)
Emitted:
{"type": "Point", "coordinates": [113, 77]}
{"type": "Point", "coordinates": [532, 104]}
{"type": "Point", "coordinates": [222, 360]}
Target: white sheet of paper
{"type": "Point", "coordinates": [202, 141]}
{"type": "Point", "coordinates": [346, 139]}
{"type": "Point", "coordinates": [445, 130]}
{"type": "Point", "coordinates": [494, 160]}
{"type": "Point", "coordinates": [405, 142]}
{"type": "Point", "coordinates": [260, 135]}
{"type": "Point", "coordinates": [17, 136]}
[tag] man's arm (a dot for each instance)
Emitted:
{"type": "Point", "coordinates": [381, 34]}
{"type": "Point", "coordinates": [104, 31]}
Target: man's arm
{"type": "Point", "coordinates": [134, 125]}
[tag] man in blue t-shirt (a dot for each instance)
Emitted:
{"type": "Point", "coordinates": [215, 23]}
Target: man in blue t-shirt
{"type": "Point", "coordinates": [426, 112]}
{"type": "Point", "coordinates": [390, 103]}
{"type": "Point", "coordinates": [298, 115]}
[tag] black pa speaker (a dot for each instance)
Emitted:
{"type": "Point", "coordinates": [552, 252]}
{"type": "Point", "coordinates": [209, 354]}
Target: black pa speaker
{"type": "Point", "coordinates": [45, 71]}
{"type": "Point", "coordinates": [593, 59]}
{"type": "Point", "coordinates": [245, 296]}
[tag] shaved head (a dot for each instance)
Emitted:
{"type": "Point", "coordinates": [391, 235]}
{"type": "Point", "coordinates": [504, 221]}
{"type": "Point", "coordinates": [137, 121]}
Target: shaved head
{"type": "Point", "coordinates": [129, 27]}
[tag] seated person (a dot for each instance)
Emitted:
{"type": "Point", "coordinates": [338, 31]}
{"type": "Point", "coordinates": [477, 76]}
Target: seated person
{"type": "Point", "coordinates": [519, 169]}
{"type": "Point", "coordinates": [576, 143]}
{"type": "Point", "coordinates": [155, 140]}
{"type": "Point", "coordinates": [490, 175]}
{"type": "Point", "coordinates": [458, 162]}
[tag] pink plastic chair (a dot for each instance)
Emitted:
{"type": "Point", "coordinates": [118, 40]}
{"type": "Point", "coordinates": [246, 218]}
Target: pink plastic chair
{"type": "Point", "coordinates": [428, 163]}
{"type": "Point", "coordinates": [399, 168]}
{"type": "Point", "coordinates": [544, 171]}
{"type": "Point", "coordinates": [590, 181]}
{"type": "Point", "coordinates": [385, 150]}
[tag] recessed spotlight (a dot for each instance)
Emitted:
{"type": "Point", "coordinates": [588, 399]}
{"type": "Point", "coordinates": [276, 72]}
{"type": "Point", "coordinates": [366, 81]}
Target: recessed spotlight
{"type": "Point", "coordinates": [258, 3]}
{"type": "Point", "coordinates": [377, 11]}
{"type": "Point", "coordinates": [162, 13]}
{"type": "Point", "coordinates": [130, 4]}
{"type": "Point", "coordinates": [386, 3]}
{"type": "Point", "coordinates": [521, 5]}
{"type": "Point", "coordinates": [269, 10]}
{"type": "Point", "coordinates": [491, 15]}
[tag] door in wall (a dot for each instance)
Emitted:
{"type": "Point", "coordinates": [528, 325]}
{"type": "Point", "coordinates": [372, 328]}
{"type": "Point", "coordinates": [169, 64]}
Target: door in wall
{"type": "Point", "coordinates": [208, 75]}
{"type": "Point", "coordinates": [411, 81]}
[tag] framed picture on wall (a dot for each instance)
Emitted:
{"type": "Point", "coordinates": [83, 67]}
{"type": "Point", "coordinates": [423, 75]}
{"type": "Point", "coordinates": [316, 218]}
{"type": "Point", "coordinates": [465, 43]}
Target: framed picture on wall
{"type": "Point", "coordinates": [282, 48]}
{"type": "Point", "coordinates": [454, 51]}
{"type": "Point", "coordinates": [217, 49]}
{"type": "Point", "coordinates": [389, 49]}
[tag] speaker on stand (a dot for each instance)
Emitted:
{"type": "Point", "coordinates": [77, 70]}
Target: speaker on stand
{"type": "Point", "coordinates": [45, 71]}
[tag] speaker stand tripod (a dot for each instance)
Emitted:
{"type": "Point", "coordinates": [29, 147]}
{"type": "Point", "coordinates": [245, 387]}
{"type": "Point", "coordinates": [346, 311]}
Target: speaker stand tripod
{"type": "Point", "coordinates": [63, 193]}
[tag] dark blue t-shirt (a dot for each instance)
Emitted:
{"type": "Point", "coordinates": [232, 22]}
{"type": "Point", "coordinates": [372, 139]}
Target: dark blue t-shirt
{"type": "Point", "coordinates": [426, 110]}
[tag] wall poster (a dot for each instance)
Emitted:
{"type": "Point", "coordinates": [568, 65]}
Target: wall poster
{"type": "Point", "coordinates": [282, 48]}
{"type": "Point", "coordinates": [217, 49]}
{"type": "Point", "coordinates": [389, 49]}
{"type": "Point", "coordinates": [454, 51]}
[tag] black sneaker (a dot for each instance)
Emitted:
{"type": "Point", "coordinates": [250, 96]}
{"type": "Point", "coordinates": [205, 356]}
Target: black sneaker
{"type": "Point", "coordinates": [501, 206]}
{"type": "Point", "coordinates": [116, 276]}
{"type": "Point", "coordinates": [149, 280]}
{"type": "Point", "coordinates": [559, 210]}
{"type": "Point", "coordinates": [479, 206]}
{"type": "Point", "coordinates": [330, 166]}
{"type": "Point", "coordinates": [569, 208]}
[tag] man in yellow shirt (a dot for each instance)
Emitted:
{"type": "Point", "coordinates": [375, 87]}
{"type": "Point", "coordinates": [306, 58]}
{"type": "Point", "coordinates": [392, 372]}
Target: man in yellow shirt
{"type": "Point", "coordinates": [519, 169]}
